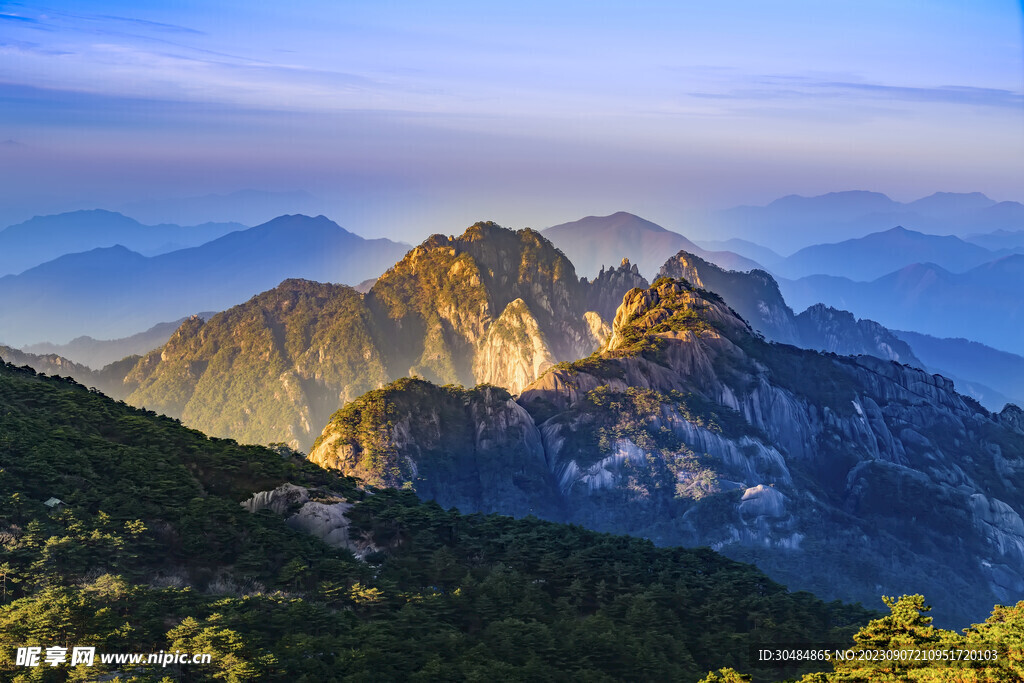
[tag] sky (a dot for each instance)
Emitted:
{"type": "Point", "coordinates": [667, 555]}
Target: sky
{"type": "Point", "coordinates": [399, 119]}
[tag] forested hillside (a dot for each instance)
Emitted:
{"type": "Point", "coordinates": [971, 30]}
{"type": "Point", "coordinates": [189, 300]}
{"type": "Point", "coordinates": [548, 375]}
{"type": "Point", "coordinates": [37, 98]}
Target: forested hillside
{"type": "Point", "coordinates": [152, 550]}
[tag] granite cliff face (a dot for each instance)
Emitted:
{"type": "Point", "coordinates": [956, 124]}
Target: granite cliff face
{"type": "Point", "coordinates": [439, 306]}
{"type": "Point", "coordinates": [850, 477]}
{"type": "Point", "coordinates": [491, 306]}
{"type": "Point", "coordinates": [475, 449]}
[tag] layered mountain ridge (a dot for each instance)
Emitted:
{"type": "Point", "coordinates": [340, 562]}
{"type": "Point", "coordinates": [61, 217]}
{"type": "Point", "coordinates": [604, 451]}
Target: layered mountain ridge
{"type": "Point", "coordinates": [491, 306]}
{"type": "Point", "coordinates": [114, 291]}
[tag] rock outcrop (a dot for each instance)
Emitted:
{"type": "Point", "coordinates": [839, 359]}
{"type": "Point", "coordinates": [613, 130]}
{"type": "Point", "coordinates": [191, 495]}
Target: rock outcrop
{"type": "Point", "coordinates": [324, 518]}
{"type": "Point", "coordinates": [476, 449]}
{"type": "Point", "coordinates": [604, 293]}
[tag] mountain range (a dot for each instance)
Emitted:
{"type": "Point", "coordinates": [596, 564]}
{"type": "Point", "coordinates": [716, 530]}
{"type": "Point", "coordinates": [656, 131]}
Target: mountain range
{"type": "Point", "coordinates": [794, 222]}
{"type": "Point", "coordinates": [880, 253]}
{"type": "Point", "coordinates": [491, 306]}
{"type": "Point", "coordinates": [689, 417]}
{"type": "Point", "coordinates": [96, 353]}
{"type": "Point", "coordinates": [45, 238]}
{"type": "Point", "coordinates": [982, 303]}
{"type": "Point", "coordinates": [114, 291]}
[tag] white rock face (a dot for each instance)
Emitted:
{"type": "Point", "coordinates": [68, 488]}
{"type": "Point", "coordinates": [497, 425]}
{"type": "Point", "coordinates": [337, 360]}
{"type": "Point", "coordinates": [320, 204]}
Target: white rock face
{"type": "Point", "coordinates": [326, 521]}
{"type": "Point", "coordinates": [278, 500]}
{"type": "Point", "coordinates": [764, 501]}
{"type": "Point", "coordinates": [604, 473]}
{"type": "Point", "coordinates": [515, 351]}
{"type": "Point", "coordinates": [599, 330]}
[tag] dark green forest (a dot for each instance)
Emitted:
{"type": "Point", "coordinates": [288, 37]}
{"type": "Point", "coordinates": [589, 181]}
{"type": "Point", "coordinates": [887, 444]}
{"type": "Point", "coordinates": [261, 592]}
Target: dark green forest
{"type": "Point", "coordinates": [152, 551]}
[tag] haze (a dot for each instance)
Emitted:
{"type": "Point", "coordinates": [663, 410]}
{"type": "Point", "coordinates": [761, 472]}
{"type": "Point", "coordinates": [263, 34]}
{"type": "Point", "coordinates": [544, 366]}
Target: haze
{"type": "Point", "coordinates": [406, 118]}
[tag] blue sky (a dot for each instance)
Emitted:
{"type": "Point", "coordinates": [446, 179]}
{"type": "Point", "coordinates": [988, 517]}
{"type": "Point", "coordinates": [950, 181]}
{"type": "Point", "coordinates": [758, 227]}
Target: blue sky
{"type": "Point", "coordinates": [410, 117]}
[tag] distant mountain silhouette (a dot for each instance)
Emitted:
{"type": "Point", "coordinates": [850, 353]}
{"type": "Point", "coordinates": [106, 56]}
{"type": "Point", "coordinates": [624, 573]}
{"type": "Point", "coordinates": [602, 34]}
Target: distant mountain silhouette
{"type": "Point", "coordinates": [113, 291]}
{"type": "Point", "coordinates": [751, 250]}
{"type": "Point", "coordinates": [1001, 372]}
{"type": "Point", "coordinates": [97, 353]}
{"type": "Point", "coordinates": [871, 257]}
{"type": "Point", "coordinates": [249, 206]}
{"type": "Point", "coordinates": [945, 203]}
{"type": "Point", "coordinates": [45, 238]}
{"type": "Point", "coordinates": [597, 241]}
{"type": "Point", "coordinates": [983, 304]}
{"type": "Point", "coordinates": [793, 222]}
{"type": "Point", "coordinates": [998, 239]}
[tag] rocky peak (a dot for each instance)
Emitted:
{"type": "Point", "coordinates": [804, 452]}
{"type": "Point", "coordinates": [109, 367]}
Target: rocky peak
{"type": "Point", "coordinates": [670, 306]}
{"type": "Point", "coordinates": [605, 293]}
{"type": "Point", "coordinates": [754, 295]}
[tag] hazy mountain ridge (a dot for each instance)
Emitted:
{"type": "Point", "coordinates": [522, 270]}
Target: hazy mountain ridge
{"type": "Point", "coordinates": [114, 291]}
{"type": "Point", "coordinates": [793, 222]}
{"type": "Point", "coordinates": [688, 429]}
{"type": "Point", "coordinates": [45, 238]}
{"type": "Point", "coordinates": [983, 303]}
{"type": "Point", "coordinates": [109, 378]}
{"type": "Point", "coordinates": [100, 352]}
{"type": "Point", "coordinates": [878, 254]}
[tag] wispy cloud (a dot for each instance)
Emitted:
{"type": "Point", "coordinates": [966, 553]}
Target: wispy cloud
{"type": "Point", "coordinates": [792, 88]}
{"type": "Point", "coordinates": [156, 25]}
{"type": "Point", "coordinates": [18, 18]}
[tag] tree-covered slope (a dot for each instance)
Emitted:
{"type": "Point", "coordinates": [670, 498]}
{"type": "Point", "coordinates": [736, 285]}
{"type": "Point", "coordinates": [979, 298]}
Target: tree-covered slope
{"type": "Point", "coordinates": [270, 370]}
{"type": "Point", "coordinates": [152, 550]}
{"type": "Point", "coordinates": [109, 379]}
